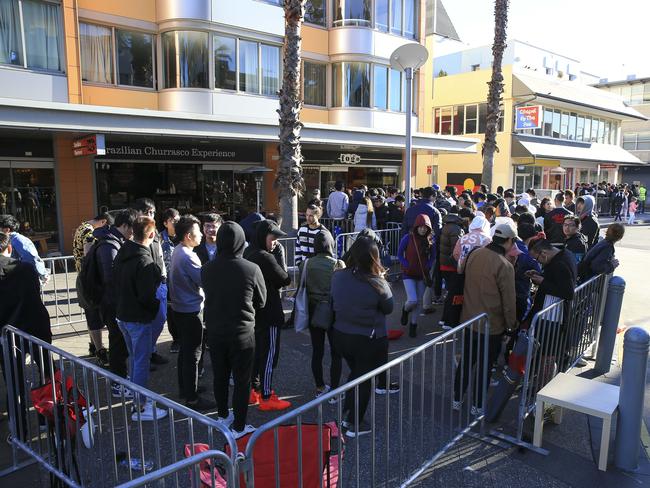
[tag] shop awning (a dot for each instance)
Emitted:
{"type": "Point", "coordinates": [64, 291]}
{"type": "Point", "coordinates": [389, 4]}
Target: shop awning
{"type": "Point", "coordinates": [82, 119]}
{"type": "Point", "coordinates": [560, 149]}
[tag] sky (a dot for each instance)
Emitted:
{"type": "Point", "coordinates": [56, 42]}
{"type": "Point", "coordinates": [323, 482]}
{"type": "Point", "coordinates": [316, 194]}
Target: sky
{"type": "Point", "coordinates": [610, 38]}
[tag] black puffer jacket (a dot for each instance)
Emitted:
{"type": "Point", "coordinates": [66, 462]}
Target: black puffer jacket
{"type": "Point", "coordinates": [452, 230]}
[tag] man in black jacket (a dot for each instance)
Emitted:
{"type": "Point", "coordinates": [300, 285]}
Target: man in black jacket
{"type": "Point", "coordinates": [575, 241]}
{"type": "Point", "coordinates": [266, 252]}
{"type": "Point", "coordinates": [136, 278]}
{"type": "Point", "coordinates": [234, 289]}
{"type": "Point", "coordinates": [554, 220]}
{"type": "Point", "coordinates": [109, 242]}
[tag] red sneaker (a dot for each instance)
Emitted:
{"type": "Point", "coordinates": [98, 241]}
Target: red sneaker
{"type": "Point", "coordinates": [254, 398]}
{"type": "Point", "coordinates": [273, 403]}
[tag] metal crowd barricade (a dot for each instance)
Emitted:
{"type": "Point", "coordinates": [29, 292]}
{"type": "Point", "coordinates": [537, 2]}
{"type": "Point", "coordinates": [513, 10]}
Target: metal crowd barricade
{"type": "Point", "coordinates": [289, 245]}
{"type": "Point", "coordinates": [409, 430]}
{"type": "Point", "coordinates": [59, 294]}
{"type": "Point", "coordinates": [338, 226]}
{"type": "Point", "coordinates": [558, 337]}
{"type": "Point", "coordinates": [85, 433]}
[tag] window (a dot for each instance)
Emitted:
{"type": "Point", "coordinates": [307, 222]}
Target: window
{"type": "Point", "coordinates": [629, 141]}
{"type": "Point", "coordinates": [96, 53]}
{"type": "Point", "coordinates": [601, 131]}
{"type": "Point", "coordinates": [548, 122]}
{"type": "Point", "coordinates": [352, 12]}
{"type": "Point", "coordinates": [573, 121]}
{"type": "Point", "coordinates": [457, 122]}
{"type": "Point", "coordinates": [248, 67]}
{"type": "Point", "coordinates": [587, 132]}
{"type": "Point", "coordinates": [445, 120]}
{"type": "Point", "coordinates": [40, 31]}
{"type": "Point", "coordinates": [315, 12]}
{"type": "Point", "coordinates": [396, 17]}
{"type": "Point", "coordinates": [397, 102]}
{"type": "Point", "coordinates": [482, 118]}
{"type": "Point", "coordinates": [380, 84]}
{"type": "Point", "coordinates": [580, 128]}
{"type": "Point", "coordinates": [646, 92]}
{"type": "Point", "coordinates": [636, 96]}
{"type": "Point", "coordinates": [564, 126]}
{"type": "Point", "coordinates": [351, 84]}
{"type": "Point", "coordinates": [225, 62]}
{"type": "Point", "coordinates": [608, 127]}
{"type": "Point", "coordinates": [594, 130]}
{"type": "Point", "coordinates": [556, 123]}
{"type": "Point", "coordinates": [270, 69]}
{"type": "Point", "coordinates": [410, 11]}
{"type": "Point", "coordinates": [643, 141]}
{"type": "Point", "coordinates": [314, 79]}
{"type": "Point", "coordinates": [185, 59]}
{"type": "Point", "coordinates": [471, 119]}
{"type": "Point", "coordinates": [381, 15]}
{"type": "Point", "coordinates": [134, 58]}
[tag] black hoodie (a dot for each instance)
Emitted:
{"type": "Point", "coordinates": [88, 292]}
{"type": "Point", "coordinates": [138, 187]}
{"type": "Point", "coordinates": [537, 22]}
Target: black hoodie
{"type": "Point", "coordinates": [234, 288]}
{"type": "Point", "coordinates": [20, 299]}
{"type": "Point", "coordinates": [273, 270]}
{"type": "Point", "coordinates": [136, 277]}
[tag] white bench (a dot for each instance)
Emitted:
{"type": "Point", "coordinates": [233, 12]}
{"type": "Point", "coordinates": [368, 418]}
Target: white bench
{"type": "Point", "coordinates": [582, 395]}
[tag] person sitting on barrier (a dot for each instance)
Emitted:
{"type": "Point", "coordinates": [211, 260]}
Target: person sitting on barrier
{"type": "Point", "coordinates": [361, 300]}
{"type": "Point", "coordinates": [234, 290]}
{"type": "Point", "coordinates": [267, 253]}
{"type": "Point", "coordinates": [489, 288]}
{"type": "Point", "coordinates": [136, 278]}
{"type": "Point", "coordinates": [22, 247]}
{"type": "Point", "coordinates": [601, 258]}
{"type": "Point", "coordinates": [307, 232]}
{"type": "Point", "coordinates": [574, 240]}
{"type": "Point", "coordinates": [416, 255]}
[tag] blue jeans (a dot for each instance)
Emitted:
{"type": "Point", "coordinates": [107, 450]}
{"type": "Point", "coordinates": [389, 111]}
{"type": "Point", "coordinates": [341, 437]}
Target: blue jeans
{"type": "Point", "coordinates": [138, 341]}
{"type": "Point", "coordinates": [159, 322]}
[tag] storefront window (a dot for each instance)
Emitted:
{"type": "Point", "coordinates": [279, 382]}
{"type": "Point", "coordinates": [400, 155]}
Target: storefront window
{"type": "Point", "coordinates": [134, 58]}
{"type": "Point", "coordinates": [314, 84]}
{"type": "Point", "coordinates": [96, 53]}
{"type": "Point", "coordinates": [185, 59]}
{"type": "Point", "coordinates": [352, 12]}
{"type": "Point", "coordinates": [270, 69]}
{"type": "Point", "coordinates": [351, 84]}
{"type": "Point", "coordinates": [315, 12]}
{"type": "Point", "coordinates": [380, 87]}
{"type": "Point", "coordinates": [248, 66]}
{"type": "Point", "coordinates": [225, 62]}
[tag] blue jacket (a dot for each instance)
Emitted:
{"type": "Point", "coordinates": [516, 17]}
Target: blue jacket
{"type": "Point", "coordinates": [597, 261]}
{"type": "Point", "coordinates": [24, 250]}
{"type": "Point", "coordinates": [423, 207]}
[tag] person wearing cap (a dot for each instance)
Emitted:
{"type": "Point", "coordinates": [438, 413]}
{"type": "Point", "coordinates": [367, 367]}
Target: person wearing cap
{"type": "Point", "coordinates": [489, 288]}
{"type": "Point", "coordinates": [266, 252]}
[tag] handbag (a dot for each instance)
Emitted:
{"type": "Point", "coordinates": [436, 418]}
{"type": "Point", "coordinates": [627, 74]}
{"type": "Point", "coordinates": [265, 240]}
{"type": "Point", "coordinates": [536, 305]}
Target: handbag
{"type": "Point", "coordinates": [301, 304]}
{"type": "Point", "coordinates": [323, 316]}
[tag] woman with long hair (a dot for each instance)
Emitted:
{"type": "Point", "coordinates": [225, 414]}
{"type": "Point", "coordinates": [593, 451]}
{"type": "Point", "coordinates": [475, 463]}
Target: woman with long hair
{"type": "Point", "coordinates": [364, 216]}
{"type": "Point", "coordinates": [416, 255]}
{"type": "Point", "coordinates": [361, 300]}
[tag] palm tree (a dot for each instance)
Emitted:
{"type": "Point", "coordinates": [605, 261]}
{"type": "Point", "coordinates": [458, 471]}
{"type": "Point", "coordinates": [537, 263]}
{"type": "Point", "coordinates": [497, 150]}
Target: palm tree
{"type": "Point", "coordinates": [289, 182]}
{"type": "Point", "coordinates": [495, 90]}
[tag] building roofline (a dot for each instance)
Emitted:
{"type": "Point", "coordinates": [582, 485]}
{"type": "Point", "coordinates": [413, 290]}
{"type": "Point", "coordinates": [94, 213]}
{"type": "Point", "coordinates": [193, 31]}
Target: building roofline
{"type": "Point", "coordinates": [622, 82]}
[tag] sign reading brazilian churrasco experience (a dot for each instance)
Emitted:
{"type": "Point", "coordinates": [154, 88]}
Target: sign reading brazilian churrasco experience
{"type": "Point", "coordinates": [229, 152]}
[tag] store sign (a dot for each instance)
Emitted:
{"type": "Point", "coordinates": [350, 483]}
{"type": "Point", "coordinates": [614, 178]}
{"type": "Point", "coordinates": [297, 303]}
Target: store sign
{"type": "Point", "coordinates": [429, 169]}
{"type": "Point", "coordinates": [608, 166]}
{"type": "Point", "coordinates": [349, 158]}
{"type": "Point", "coordinates": [89, 145]}
{"type": "Point", "coordinates": [528, 117]}
{"type": "Point", "coordinates": [247, 153]}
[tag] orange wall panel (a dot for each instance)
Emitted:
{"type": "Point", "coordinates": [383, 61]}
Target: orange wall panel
{"type": "Point", "coordinates": [315, 40]}
{"type": "Point", "coordinates": [314, 115]}
{"type": "Point", "coordinates": [120, 97]}
{"type": "Point", "coordinates": [138, 9]}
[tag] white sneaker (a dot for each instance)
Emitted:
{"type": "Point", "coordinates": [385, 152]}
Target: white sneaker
{"type": "Point", "coordinates": [226, 422]}
{"type": "Point", "coordinates": [117, 390]}
{"type": "Point", "coordinates": [241, 433]}
{"type": "Point", "coordinates": [456, 405]}
{"type": "Point", "coordinates": [148, 413]}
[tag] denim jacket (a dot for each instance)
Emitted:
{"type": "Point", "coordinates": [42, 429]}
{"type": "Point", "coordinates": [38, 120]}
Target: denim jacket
{"type": "Point", "coordinates": [25, 251]}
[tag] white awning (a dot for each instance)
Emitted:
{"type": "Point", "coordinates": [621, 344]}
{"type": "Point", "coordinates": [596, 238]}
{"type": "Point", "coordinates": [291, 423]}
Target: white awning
{"type": "Point", "coordinates": [65, 117]}
{"type": "Point", "coordinates": [539, 147]}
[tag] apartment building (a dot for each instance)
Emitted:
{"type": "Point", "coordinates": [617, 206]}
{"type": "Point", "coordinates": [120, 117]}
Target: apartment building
{"type": "Point", "coordinates": [180, 98]}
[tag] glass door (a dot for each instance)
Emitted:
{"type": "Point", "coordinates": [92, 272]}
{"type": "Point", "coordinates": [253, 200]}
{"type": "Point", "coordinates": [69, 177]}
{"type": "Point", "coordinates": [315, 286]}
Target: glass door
{"type": "Point", "coordinates": [521, 183]}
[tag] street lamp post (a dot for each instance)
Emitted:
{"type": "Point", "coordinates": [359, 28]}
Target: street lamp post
{"type": "Point", "coordinates": [258, 174]}
{"type": "Point", "coordinates": [408, 58]}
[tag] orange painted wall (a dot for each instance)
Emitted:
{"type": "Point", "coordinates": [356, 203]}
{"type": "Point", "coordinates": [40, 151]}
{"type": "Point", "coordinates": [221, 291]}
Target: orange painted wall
{"type": "Point", "coordinates": [315, 40]}
{"type": "Point", "coordinates": [71, 42]}
{"type": "Point", "coordinates": [76, 188]}
{"type": "Point", "coordinates": [314, 115]}
{"type": "Point", "coordinates": [120, 97]}
{"type": "Point", "coordinates": [133, 9]}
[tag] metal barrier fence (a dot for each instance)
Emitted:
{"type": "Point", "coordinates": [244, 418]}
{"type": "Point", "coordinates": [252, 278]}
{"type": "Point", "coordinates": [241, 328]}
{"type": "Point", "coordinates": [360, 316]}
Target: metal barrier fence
{"type": "Point", "coordinates": [84, 428]}
{"type": "Point", "coordinates": [558, 337]}
{"type": "Point", "coordinates": [408, 430]}
{"type": "Point", "coordinates": [59, 294]}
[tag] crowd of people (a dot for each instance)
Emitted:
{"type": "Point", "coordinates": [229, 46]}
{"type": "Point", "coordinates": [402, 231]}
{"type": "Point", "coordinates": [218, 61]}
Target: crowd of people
{"type": "Point", "coordinates": [506, 255]}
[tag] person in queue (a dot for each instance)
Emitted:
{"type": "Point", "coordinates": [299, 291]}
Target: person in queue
{"type": "Point", "coordinates": [170, 217]}
{"type": "Point", "coordinates": [22, 247]}
{"type": "Point", "coordinates": [307, 233]}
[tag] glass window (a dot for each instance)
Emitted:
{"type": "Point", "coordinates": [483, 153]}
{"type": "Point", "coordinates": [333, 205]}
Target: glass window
{"type": "Point", "coordinates": [608, 127]}
{"type": "Point", "coordinates": [11, 46]}
{"type": "Point", "coordinates": [636, 96]}
{"type": "Point", "coordinates": [613, 135]}
{"type": "Point", "coordinates": [601, 131]}
{"type": "Point", "coordinates": [629, 141]}
{"type": "Point", "coordinates": [351, 84]}
{"type": "Point", "coordinates": [134, 58]}
{"type": "Point", "coordinates": [594, 130]}
{"type": "Point", "coordinates": [564, 126]}
{"type": "Point", "coordinates": [185, 59]}
{"type": "Point", "coordinates": [458, 115]}
{"type": "Point", "coordinates": [482, 118]}
{"type": "Point", "coordinates": [471, 115]}
{"type": "Point", "coordinates": [626, 93]}
{"type": "Point", "coordinates": [314, 79]}
{"type": "Point", "coordinates": [646, 91]}
{"type": "Point", "coordinates": [580, 127]}
{"type": "Point", "coordinates": [248, 67]}
{"type": "Point", "coordinates": [410, 9]}
{"type": "Point", "coordinates": [315, 12]}
{"type": "Point", "coordinates": [270, 69]}
{"type": "Point", "coordinates": [436, 121]}
{"type": "Point", "coordinates": [381, 15]}
{"type": "Point", "coordinates": [96, 53]}
{"type": "Point", "coordinates": [396, 102]}
{"type": "Point", "coordinates": [396, 17]}
{"type": "Point", "coordinates": [352, 12]}
{"type": "Point", "coordinates": [445, 121]}
{"type": "Point", "coordinates": [43, 35]}
{"type": "Point", "coordinates": [548, 122]}
{"type": "Point", "coordinates": [556, 123]}
{"type": "Point", "coordinates": [380, 86]}
{"type": "Point", "coordinates": [225, 62]}
{"type": "Point", "coordinates": [573, 121]}
{"type": "Point", "coordinates": [643, 141]}
{"type": "Point", "coordinates": [587, 132]}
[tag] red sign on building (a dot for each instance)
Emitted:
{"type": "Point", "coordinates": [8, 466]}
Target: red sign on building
{"type": "Point", "coordinates": [89, 145]}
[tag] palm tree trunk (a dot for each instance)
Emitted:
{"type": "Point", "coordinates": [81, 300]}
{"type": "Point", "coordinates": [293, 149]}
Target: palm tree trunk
{"type": "Point", "coordinates": [495, 91]}
{"type": "Point", "coordinates": [288, 181]}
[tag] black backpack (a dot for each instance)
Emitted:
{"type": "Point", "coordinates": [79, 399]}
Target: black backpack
{"type": "Point", "coordinates": [90, 287]}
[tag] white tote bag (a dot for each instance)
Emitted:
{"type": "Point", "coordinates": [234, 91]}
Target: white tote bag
{"type": "Point", "coordinates": [301, 304]}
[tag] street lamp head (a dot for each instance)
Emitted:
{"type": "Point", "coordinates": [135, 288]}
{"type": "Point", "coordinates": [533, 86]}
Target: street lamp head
{"type": "Point", "coordinates": [411, 55]}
